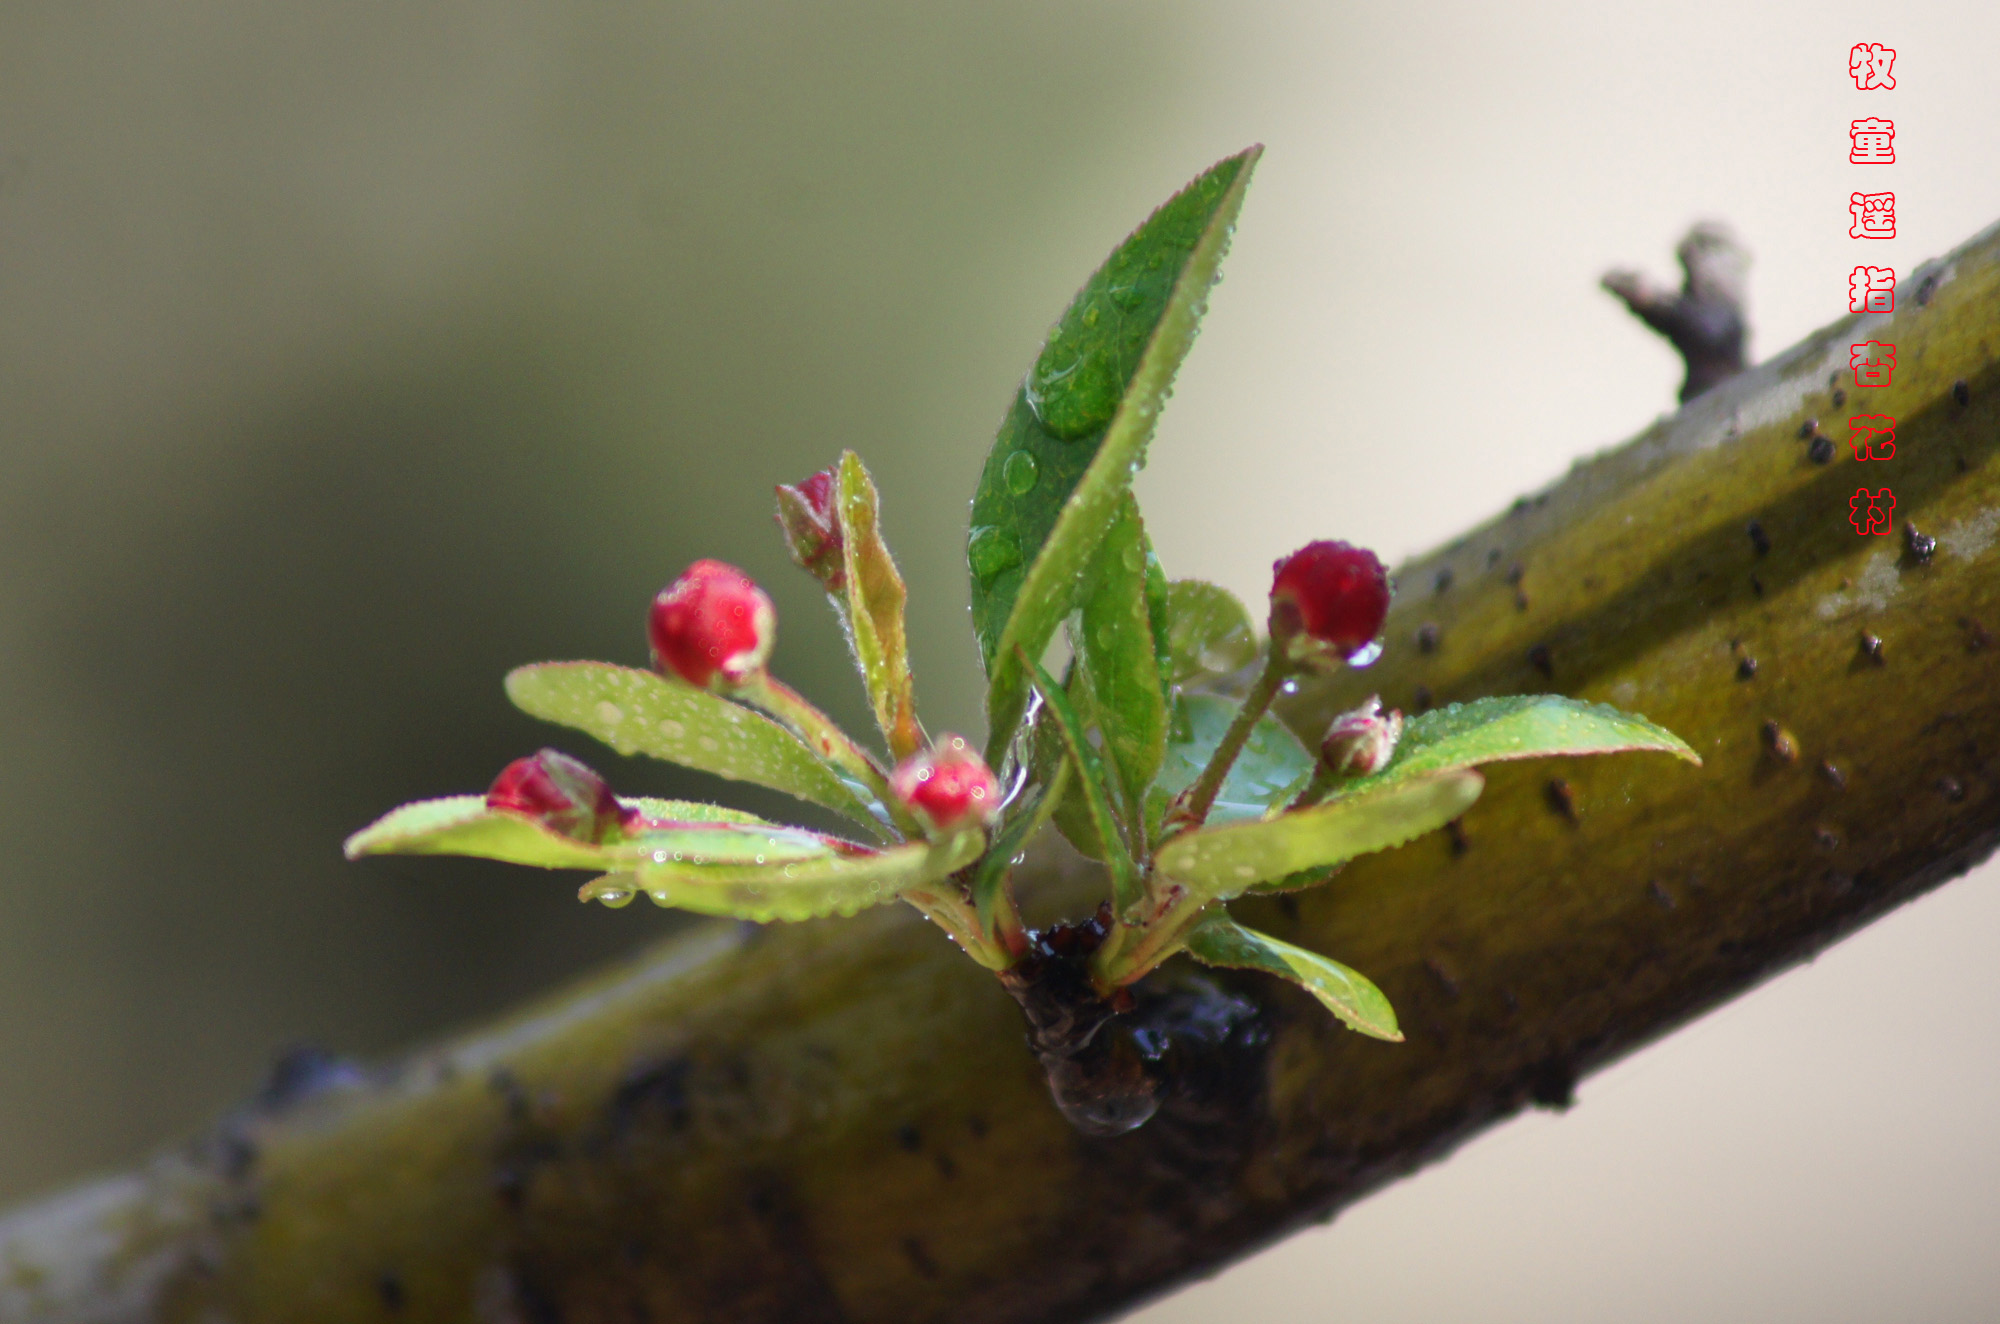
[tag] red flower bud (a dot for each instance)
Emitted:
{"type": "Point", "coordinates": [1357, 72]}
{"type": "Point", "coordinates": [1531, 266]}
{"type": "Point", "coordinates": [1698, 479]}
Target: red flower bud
{"type": "Point", "coordinates": [812, 529]}
{"type": "Point", "coordinates": [1328, 598]}
{"type": "Point", "coordinates": [562, 795]}
{"type": "Point", "coordinates": [1360, 742]}
{"type": "Point", "coordinates": [713, 626]}
{"type": "Point", "coordinates": [949, 786]}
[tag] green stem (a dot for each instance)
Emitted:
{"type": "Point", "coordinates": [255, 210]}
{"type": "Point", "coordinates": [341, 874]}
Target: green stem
{"type": "Point", "coordinates": [827, 740]}
{"type": "Point", "coordinates": [1190, 808]}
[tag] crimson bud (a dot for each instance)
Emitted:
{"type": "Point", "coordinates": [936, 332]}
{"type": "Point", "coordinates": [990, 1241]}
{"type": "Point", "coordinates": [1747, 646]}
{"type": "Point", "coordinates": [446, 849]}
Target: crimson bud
{"type": "Point", "coordinates": [1361, 741]}
{"type": "Point", "coordinates": [812, 529]}
{"type": "Point", "coordinates": [949, 786]}
{"type": "Point", "coordinates": [712, 627]}
{"type": "Point", "coordinates": [1328, 598]}
{"type": "Point", "coordinates": [562, 795]}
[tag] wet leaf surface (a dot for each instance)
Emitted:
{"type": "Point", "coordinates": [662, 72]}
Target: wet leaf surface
{"type": "Point", "coordinates": [1272, 768]}
{"type": "Point", "coordinates": [1114, 641]}
{"type": "Point", "coordinates": [1219, 940]}
{"type": "Point", "coordinates": [1078, 429]}
{"type": "Point", "coordinates": [1209, 632]}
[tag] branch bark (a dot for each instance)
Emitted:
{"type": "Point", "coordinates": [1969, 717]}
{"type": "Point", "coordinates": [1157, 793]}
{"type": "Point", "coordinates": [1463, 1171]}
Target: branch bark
{"type": "Point", "coordinates": [840, 1122]}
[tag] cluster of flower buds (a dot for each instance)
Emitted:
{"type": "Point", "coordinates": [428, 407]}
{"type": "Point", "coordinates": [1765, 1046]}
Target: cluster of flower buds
{"type": "Point", "coordinates": [562, 795]}
{"type": "Point", "coordinates": [1360, 742]}
{"type": "Point", "coordinates": [949, 786]}
{"type": "Point", "coordinates": [713, 627]}
{"type": "Point", "coordinates": [812, 529]}
{"type": "Point", "coordinates": [1328, 601]}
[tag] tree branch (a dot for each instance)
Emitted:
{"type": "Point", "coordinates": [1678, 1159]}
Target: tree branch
{"type": "Point", "coordinates": [839, 1121]}
{"type": "Point", "coordinates": [1704, 320]}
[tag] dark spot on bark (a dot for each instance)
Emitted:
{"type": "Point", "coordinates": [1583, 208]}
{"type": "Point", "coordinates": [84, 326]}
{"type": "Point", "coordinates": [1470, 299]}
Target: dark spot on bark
{"type": "Point", "coordinates": [1919, 544]}
{"type": "Point", "coordinates": [1951, 788]}
{"type": "Point", "coordinates": [1442, 580]}
{"type": "Point", "coordinates": [1660, 894]}
{"type": "Point", "coordinates": [1421, 701]}
{"type": "Point", "coordinates": [1961, 392]}
{"type": "Point", "coordinates": [1510, 1000]}
{"type": "Point", "coordinates": [1427, 637]}
{"type": "Point", "coordinates": [1455, 832]}
{"type": "Point", "coordinates": [1516, 573]}
{"type": "Point", "coordinates": [1439, 971]}
{"type": "Point", "coordinates": [1779, 742]}
{"type": "Point", "coordinates": [1552, 1085]}
{"type": "Point", "coordinates": [1757, 586]}
{"type": "Point", "coordinates": [1540, 659]}
{"type": "Point", "coordinates": [1758, 538]}
{"type": "Point", "coordinates": [1821, 450]}
{"type": "Point", "coordinates": [1560, 799]}
{"type": "Point", "coordinates": [1839, 397]}
{"type": "Point", "coordinates": [947, 1169]}
{"type": "Point", "coordinates": [1977, 636]}
{"type": "Point", "coordinates": [1746, 669]}
{"type": "Point", "coordinates": [1871, 647]}
{"type": "Point", "coordinates": [650, 1093]}
{"type": "Point", "coordinates": [920, 1259]}
{"type": "Point", "coordinates": [1807, 428]}
{"type": "Point", "coordinates": [977, 1125]}
{"type": "Point", "coordinates": [1833, 775]}
{"type": "Point", "coordinates": [390, 1288]}
{"type": "Point", "coordinates": [1520, 600]}
{"type": "Point", "coordinates": [510, 1184]}
{"type": "Point", "coordinates": [504, 1083]}
{"type": "Point", "coordinates": [1826, 838]}
{"type": "Point", "coordinates": [908, 1138]}
{"type": "Point", "coordinates": [1492, 558]}
{"type": "Point", "coordinates": [305, 1071]}
{"type": "Point", "coordinates": [1925, 289]}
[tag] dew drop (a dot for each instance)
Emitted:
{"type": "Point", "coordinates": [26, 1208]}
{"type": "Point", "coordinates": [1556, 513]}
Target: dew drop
{"type": "Point", "coordinates": [1134, 558]}
{"type": "Point", "coordinates": [671, 729]}
{"type": "Point", "coordinates": [1367, 656]}
{"type": "Point", "coordinates": [991, 551]}
{"type": "Point", "coordinates": [615, 897]}
{"type": "Point", "coordinates": [1020, 471]}
{"type": "Point", "coordinates": [709, 744]}
{"type": "Point", "coordinates": [610, 713]}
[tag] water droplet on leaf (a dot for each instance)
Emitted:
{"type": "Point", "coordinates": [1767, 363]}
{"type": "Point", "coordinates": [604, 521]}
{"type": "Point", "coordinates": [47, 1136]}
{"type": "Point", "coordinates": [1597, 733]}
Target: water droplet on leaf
{"type": "Point", "coordinates": [1020, 473]}
{"type": "Point", "coordinates": [1367, 655]}
{"type": "Point", "coordinates": [991, 552]}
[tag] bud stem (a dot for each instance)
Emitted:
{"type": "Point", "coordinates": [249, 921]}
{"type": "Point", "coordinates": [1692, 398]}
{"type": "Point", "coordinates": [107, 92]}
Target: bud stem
{"type": "Point", "coordinates": [1190, 808]}
{"type": "Point", "coordinates": [827, 740]}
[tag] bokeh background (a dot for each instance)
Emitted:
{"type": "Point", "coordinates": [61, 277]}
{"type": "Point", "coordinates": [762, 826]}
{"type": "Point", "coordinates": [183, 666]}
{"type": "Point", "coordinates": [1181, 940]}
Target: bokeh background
{"type": "Point", "coordinates": [353, 353]}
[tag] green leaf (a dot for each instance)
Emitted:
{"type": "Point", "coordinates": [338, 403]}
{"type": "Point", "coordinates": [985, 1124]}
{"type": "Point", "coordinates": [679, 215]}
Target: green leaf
{"type": "Point", "coordinates": [1013, 838]}
{"type": "Point", "coordinates": [1221, 862]}
{"type": "Point", "coordinates": [1114, 642]}
{"type": "Point", "coordinates": [875, 597]}
{"type": "Point", "coordinates": [1078, 429]}
{"type": "Point", "coordinates": [830, 884]}
{"type": "Point", "coordinates": [640, 712]}
{"type": "Point", "coordinates": [1219, 940]}
{"type": "Point", "coordinates": [1272, 768]}
{"type": "Point", "coordinates": [463, 825]}
{"type": "Point", "coordinates": [1208, 631]}
{"type": "Point", "coordinates": [1125, 882]}
{"type": "Point", "coordinates": [667, 831]}
{"type": "Point", "coordinates": [1521, 726]}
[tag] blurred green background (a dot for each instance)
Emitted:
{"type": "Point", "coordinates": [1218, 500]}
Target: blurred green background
{"type": "Point", "coordinates": [353, 353]}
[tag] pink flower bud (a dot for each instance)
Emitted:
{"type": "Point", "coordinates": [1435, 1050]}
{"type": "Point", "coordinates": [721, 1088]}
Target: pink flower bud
{"type": "Point", "coordinates": [1328, 598]}
{"type": "Point", "coordinates": [713, 626]}
{"type": "Point", "coordinates": [562, 795]}
{"type": "Point", "coordinates": [949, 786]}
{"type": "Point", "coordinates": [812, 529]}
{"type": "Point", "coordinates": [1360, 742]}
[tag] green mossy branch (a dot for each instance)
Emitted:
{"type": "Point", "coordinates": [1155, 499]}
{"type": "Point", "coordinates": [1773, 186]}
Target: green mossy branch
{"type": "Point", "coordinates": [836, 1121]}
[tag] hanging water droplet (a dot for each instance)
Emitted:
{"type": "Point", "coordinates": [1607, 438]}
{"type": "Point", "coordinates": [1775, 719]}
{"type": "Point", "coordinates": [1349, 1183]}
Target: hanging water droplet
{"type": "Point", "coordinates": [991, 552]}
{"type": "Point", "coordinates": [614, 897]}
{"type": "Point", "coordinates": [1367, 656]}
{"type": "Point", "coordinates": [1020, 471]}
{"type": "Point", "coordinates": [1134, 557]}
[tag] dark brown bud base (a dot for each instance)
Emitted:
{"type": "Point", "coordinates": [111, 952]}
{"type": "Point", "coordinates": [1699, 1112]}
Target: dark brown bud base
{"type": "Point", "coordinates": [1171, 1044]}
